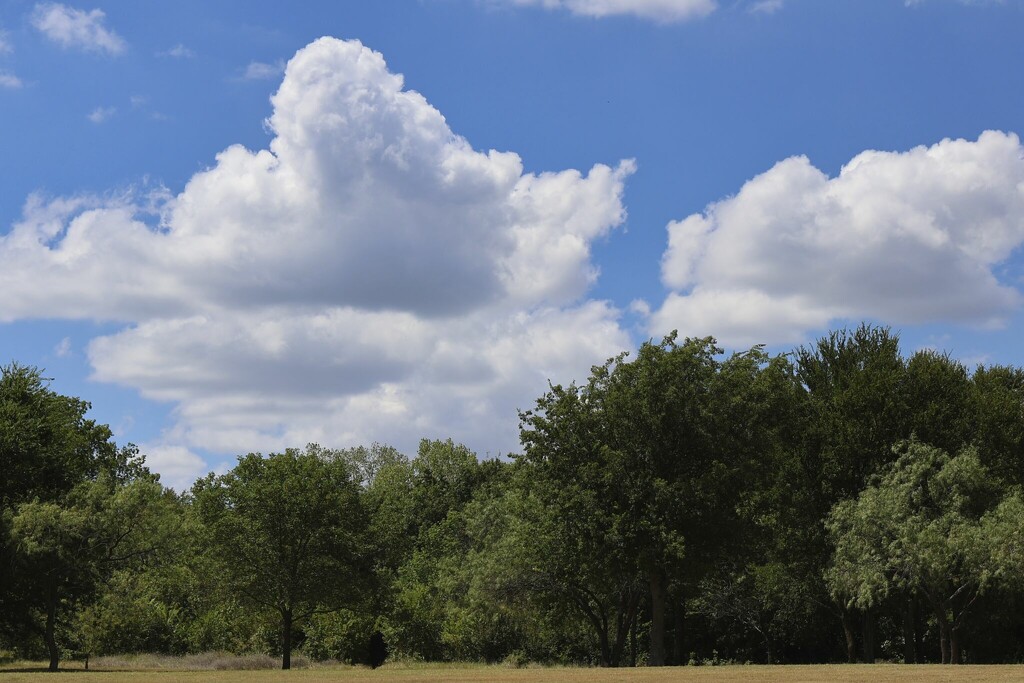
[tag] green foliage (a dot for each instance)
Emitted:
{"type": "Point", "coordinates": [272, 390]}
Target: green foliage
{"type": "Point", "coordinates": [680, 504]}
{"type": "Point", "coordinates": [343, 635]}
{"type": "Point", "coordinates": [286, 531]}
{"type": "Point", "coordinates": [917, 528]}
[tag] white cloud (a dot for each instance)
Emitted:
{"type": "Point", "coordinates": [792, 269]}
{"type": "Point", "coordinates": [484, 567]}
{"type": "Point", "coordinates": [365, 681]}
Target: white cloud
{"type": "Point", "coordinates": [63, 348]}
{"type": "Point", "coordinates": [658, 10]}
{"type": "Point", "coordinates": [101, 114]}
{"type": "Point", "coordinates": [766, 7]}
{"type": "Point", "coordinates": [370, 276]}
{"type": "Point", "coordinates": [262, 71]}
{"type": "Point", "coordinates": [5, 43]}
{"type": "Point", "coordinates": [9, 80]}
{"type": "Point", "coordinates": [179, 51]}
{"type": "Point", "coordinates": [75, 28]}
{"type": "Point", "coordinates": [178, 466]}
{"type": "Point", "coordinates": [908, 237]}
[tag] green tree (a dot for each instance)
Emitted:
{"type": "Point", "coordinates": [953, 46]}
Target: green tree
{"type": "Point", "coordinates": [856, 402]}
{"type": "Point", "coordinates": [919, 527]}
{"type": "Point", "coordinates": [650, 455]}
{"type": "Point", "coordinates": [287, 530]}
{"type": "Point", "coordinates": [66, 550]}
{"type": "Point", "coordinates": [419, 519]}
{"type": "Point", "coordinates": [71, 503]}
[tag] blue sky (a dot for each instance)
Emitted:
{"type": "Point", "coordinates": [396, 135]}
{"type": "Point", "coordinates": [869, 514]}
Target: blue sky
{"type": "Point", "coordinates": [232, 236]}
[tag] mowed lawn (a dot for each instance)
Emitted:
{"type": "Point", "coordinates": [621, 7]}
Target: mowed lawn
{"type": "Point", "coordinates": [497, 674]}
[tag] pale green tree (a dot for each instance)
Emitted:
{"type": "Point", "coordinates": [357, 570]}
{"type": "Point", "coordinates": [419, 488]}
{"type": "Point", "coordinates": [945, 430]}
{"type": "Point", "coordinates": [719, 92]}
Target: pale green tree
{"type": "Point", "coordinates": [918, 527]}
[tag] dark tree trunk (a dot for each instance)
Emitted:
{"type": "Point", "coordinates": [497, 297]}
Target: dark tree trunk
{"type": "Point", "coordinates": [679, 630]}
{"type": "Point", "coordinates": [49, 635]}
{"type": "Point", "coordinates": [955, 649]}
{"type": "Point", "coordinates": [769, 655]}
{"type": "Point", "coordinates": [919, 630]}
{"type": "Point", "coordinates": [656, 656]}
{"type": "Point", "coordinates": [286, 639]}
{"type": "Point", "coordinates": [606, 650]}
{"type": "Point", "coordinates": [869, 636]}
{"type": "Point", "coordinates": [851, 641]}
{"type": "Point", "coordinates": [624, 624]}
{"type": "Point", "coordinates": [909, 638]}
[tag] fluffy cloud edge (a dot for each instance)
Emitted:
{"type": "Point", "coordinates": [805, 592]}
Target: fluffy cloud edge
{"type": "Point", "coordinates": [904, 237]}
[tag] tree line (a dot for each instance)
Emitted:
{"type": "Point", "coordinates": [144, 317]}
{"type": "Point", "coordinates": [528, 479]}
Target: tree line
{"type": "Point", "coordinates": [842, 502]}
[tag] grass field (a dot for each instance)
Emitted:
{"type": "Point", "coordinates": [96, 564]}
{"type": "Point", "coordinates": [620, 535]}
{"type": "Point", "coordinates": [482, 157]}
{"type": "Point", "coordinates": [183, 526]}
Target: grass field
{"type": "Point", "coordinates": [425, 673]}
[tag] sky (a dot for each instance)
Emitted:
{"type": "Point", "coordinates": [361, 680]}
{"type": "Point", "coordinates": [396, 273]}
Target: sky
{"type": "Point", "coordinates": [243, 226]}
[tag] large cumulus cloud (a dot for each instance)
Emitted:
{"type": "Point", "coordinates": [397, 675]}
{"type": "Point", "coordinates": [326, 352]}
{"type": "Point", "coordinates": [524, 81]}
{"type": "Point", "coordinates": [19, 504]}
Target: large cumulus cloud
{"type": "Point", "coordinates": [907, 237]}
{"type": "Point", "coordinates": [370, 275]}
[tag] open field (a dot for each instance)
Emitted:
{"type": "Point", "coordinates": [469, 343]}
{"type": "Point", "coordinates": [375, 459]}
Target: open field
{"type": "Point", "coordinates": [419, 673]}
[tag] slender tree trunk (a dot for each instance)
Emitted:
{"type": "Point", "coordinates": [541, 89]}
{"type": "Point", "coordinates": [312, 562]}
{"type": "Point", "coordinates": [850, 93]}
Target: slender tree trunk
{"type": "Point", "coordinates": [943, 622]}
{"type": "Point", "coordinates": [49, 635]}
{"type": "Point", "coordinates": [632, 640]}
{"type": "Point", "coordinates": [656, 656]}
{"type": "Point", "coordinates": [851, 641]}
{"type": "Point", "coordinates": [869, 636]}
{"type": "Point", "coordinates": [770, 657]}
{"type": "Point", "coordinates": [909, 639]}
{"type": "Point", "coordinates": [286, 639]}
{"type": "Point", "coordinates": [918, 634]}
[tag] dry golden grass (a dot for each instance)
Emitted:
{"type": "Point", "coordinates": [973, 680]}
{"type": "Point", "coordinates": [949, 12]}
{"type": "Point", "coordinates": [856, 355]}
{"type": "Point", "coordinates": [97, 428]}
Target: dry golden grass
{"type": "Point", "coordinates": [429, 673]}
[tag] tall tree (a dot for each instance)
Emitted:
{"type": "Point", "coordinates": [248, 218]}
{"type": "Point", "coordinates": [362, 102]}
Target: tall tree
{"type": "Point", "coordinates": [856, 401]}
{"type": "Point", "coordinates": [639, 451]}
{"type": "Point", "coordinates": [51, 458]}
{"type": "Point", "coordinates": [287, 530]}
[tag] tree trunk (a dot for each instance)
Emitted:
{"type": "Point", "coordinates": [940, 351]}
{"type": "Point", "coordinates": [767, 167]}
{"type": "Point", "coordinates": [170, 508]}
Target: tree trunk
{"type": "Point", "coordinates": [632, 641]}
{"type": "Point", "coordinates": [909, 639]}
{"type": "Point", "coordinates": [869, 636]}
{"type": "Point", "coordinates": [943, 622]}
{"type": "Point", "coordinates": [606, 650]}
{"type": "Point", "coordinates": [955, 649]}
{"type": "Point", "coordinates": [49, 634]}
{"type": "Point", "coordinates": [679, 631]}
{"type": "Point", "coordinates": [770, 658]}
{"type": "Point", "coordinates": [624, 624]}
{"type": "Point", "coordinates": [851, 641]}
{"type": "Point", "coordinates": [286, 639]}
{"type": "Point", "coordinates": [656, 656]}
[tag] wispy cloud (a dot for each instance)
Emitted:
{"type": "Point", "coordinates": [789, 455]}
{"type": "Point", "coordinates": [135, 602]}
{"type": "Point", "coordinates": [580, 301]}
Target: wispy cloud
{"type": "Point", "coordinates": [63, 348]}
{"type": "Point", "coordinates": [9, 80]}
{"type": "Point", "coordinates": [658, 10]}
{"type": "Point", "coordinates": [261, 71]}
{"type": "Point", "coordinates": [5, 43]}
{"type": "Point", "coordinates": [101, 114]}
{"type": "Point", "coordinates": [766, 7]}
{"type": "Point", "coordinates": [75, 28]}
{"type": "Point", "coordinates": [179, 51]}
